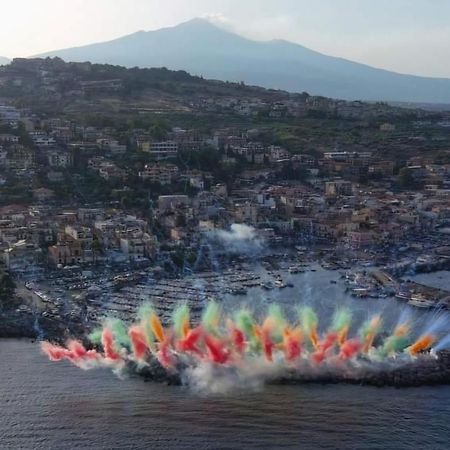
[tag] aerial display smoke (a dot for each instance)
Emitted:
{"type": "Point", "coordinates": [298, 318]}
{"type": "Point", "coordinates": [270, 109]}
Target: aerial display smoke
{"type": "Point", "coordinates": [243, 347]}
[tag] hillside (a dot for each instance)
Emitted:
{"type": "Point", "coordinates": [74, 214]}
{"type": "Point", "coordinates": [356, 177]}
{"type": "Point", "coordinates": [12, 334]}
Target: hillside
{"type": "Point", "coordinates": [4, 60]}
{"type": "Point", "coordinates": [201, 48]}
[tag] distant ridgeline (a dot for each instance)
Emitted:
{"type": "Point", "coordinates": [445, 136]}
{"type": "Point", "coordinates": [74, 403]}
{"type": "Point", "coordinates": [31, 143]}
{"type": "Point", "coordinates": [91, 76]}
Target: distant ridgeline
{"type": "Point", "coordinates": [52, 84]}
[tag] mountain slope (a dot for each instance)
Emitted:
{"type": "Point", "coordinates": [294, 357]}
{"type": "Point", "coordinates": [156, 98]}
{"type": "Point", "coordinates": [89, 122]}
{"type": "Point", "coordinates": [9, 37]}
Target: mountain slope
{"type": "Point", "coordinates": [201, 48]}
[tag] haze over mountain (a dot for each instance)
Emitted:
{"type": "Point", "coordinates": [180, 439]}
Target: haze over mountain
{"type": "Point", "coordinates": [201, 48]}
{"type": "Point", "coordinates": [4, 61]}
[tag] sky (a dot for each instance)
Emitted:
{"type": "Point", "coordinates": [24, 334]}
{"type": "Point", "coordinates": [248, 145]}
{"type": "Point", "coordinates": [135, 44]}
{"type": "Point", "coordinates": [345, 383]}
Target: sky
{"type": "Point", "coordinates": [408, 36]}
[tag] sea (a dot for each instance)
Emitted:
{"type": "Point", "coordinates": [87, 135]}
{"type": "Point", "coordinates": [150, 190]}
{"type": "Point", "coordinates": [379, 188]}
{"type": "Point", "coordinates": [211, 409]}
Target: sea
{"type": "Point", "coordinates": [46, 405]}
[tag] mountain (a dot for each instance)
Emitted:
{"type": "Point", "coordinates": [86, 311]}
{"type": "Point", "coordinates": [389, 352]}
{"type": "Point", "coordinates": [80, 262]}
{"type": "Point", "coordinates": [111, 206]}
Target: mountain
{"type": "Point", "coordinates": [201, 48]}
{"type": "Point", "coordinates": [4, 61]}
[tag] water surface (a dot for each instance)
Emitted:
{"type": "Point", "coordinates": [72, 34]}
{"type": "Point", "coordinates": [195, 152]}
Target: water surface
{"type": "Point", "coordinates": [56, 406]}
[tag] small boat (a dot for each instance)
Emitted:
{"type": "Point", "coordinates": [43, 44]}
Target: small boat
{"type": "Point", "coordinates": [268, 285]}
{"type": "Point", "coordinates": [239, 291]}
{"type": "Point", "coordinates": [360, 292]}
{"type": "Point", "coordinates": [403, 296]}
{"type": "Point", "coordinates": [420, 301]}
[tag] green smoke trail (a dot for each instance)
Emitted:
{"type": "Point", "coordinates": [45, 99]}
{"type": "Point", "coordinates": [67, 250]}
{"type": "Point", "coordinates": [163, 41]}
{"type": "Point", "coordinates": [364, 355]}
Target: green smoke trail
{"type": "Point", "coordinates": [246, 323]}
{"type": "Point", "coordinates": [119, 332]}
{"type": "Point", "coordinates": [96, 336]}
{"type": "Point", "coordinates": [145, 312]}
{"type": "Point", "coordinates": [211, 317]}
{"type": "Point", "coordinates": [308, 319]}
{"type": "Point", "coordinates": [180, 320]}
{"type": "Point", "coordinates": [397, 342]}
{"type": "Point", "coordinates": [394, 344]}
{"type": "Point", "coordinates": [341, 320]}
{"type": "Point", "coordinates": [370, 326]}
{"type": "Point", "coordinates": [279, 322]}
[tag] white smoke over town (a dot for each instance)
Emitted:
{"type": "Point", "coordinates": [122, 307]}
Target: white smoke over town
{"type": "Point", "coordinates": [240, 238]}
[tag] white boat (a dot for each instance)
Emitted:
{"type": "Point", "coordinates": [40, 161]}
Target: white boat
{"type": "Point", "coordinates": [420, 301]}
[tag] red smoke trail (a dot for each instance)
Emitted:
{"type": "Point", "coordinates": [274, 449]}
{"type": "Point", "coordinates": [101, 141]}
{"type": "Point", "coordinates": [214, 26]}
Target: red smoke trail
{"type": "Point", "coordinates": [189, 343]}
{"type": "Point", "coordinates": [238, 338]}
{"type": "Point", "coordinates": [77, 349]}
{"type": "Point", "coordinates": [324, 347]}
{"type": "Point", "coordinates": [54, 352]}
{"type": "Point", "coordinates": [267, 344]}
{"type": "Point", "coordinates": [138, 341]}
{"type": "Point", "coordinates": [293, 349]}
{"type": "Point", "coordinates": [164, 355]}
{"type": "Point", "coordinates": [108, 346]}
{"type": "Point", "coordinates": [216, 350]}
{"type": "Point", "coordinates": [349, 348]}
{"type": "Point", "coordinates": [329, 342]}
{"type": "Point", "coordinates": [292, 341]}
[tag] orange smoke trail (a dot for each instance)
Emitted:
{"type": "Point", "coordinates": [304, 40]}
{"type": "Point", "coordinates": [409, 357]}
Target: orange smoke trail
{"type": "Point", "coordinates": [372, 332]}
{"type": "Point", "coordinates": [186, 327]}
{"type": "Point", "coordinates": [402, 329]}
{"type": "Point", "coordinates": [423, 343]}
{"type": "Point", "coordinates": [157, 328]}
{"type": "Point", "coordinates": [314, 338]}
{"type": "Point", "coordinates": [343, 335]}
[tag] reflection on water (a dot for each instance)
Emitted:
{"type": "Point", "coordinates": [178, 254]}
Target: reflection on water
{"type": "Point", "coordinates": [55, 406]}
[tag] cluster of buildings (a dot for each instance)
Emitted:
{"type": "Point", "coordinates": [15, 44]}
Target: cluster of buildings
{"type": "Point", "coordinates": [352, 196]}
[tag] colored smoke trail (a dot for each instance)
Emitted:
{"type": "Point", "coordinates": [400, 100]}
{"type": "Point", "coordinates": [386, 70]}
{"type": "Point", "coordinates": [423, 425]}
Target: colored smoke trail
{"type": "Point", "coordinates": [423, 343]}
{"type": "Point", "coordinates": [242, 345]}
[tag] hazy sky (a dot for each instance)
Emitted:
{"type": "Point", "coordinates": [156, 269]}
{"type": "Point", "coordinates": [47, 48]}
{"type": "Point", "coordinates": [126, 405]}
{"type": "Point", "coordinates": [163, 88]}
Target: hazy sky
{"type": "Point", "coordinates": [410, 36]}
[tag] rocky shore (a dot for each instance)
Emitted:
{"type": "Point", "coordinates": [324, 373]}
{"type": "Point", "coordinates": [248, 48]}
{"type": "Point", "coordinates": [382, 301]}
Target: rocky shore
{"type": "Point", "coordinates": [423, 372]}
{"type": "Point", "coordinates": [19, 325]}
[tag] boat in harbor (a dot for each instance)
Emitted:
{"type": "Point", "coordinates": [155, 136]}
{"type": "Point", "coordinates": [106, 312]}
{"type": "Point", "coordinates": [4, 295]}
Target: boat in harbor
{"type": "Point", "coordinates": [420, 301]}
{"type": "Point", "coordinates": [360, 292]}
{"type": "Point", "coordinates": [295, 269]}
{"type": "Point", "coordinates": [402, 295]}
{"type": "Point", "coordinates": [280, 284]}
{"type": "Point", "coordinates": [268, 285]}
{"type": "Point", "coordinates": [238, 291]}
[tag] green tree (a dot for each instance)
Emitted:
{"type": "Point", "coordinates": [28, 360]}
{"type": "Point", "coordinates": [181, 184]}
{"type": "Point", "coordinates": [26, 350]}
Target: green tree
{"type": "Point", "coordinates": [405, 178]}
{"type": "Point", "coordinates": [7, 289]}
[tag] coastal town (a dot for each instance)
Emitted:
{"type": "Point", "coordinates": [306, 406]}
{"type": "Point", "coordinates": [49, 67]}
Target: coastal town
{"type": "Point", "coordinates": [189, 193]}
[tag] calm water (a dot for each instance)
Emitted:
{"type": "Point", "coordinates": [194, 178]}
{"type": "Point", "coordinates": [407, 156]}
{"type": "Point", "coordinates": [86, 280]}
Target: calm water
{"type": "Point", "coordinates": [55, 406]}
